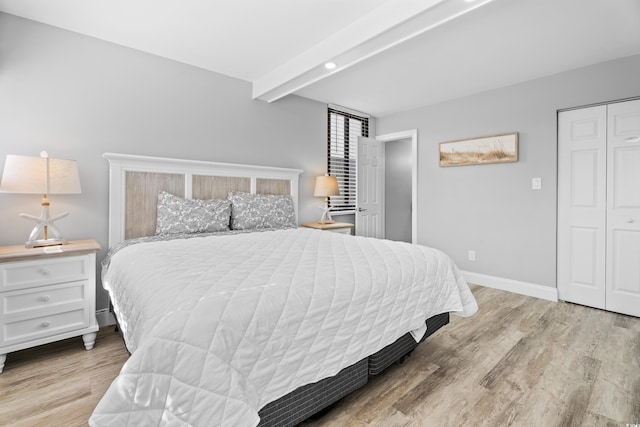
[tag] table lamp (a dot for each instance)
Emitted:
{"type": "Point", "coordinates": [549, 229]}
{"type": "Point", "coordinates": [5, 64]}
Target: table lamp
{"type": "Point", "coordinates": [326, 186]}
{"type": "Point", "coordinates": [41, 175]}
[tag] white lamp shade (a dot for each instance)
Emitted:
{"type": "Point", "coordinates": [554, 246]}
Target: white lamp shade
{"type": "Point", "coordinates": [326, 186]}
{"type": "Point", "coordinates": [26, 174]}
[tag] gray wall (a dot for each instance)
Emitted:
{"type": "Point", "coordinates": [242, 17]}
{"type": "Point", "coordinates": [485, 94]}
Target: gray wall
{"type": "Point", "coordinates": [397, 188]}
{"type": "Point", "coordinates": [78, 97]}
{"type": "Point", "coordinates": [491, 208]}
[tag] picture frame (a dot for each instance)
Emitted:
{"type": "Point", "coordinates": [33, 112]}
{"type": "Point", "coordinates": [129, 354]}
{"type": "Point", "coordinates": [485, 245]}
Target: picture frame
{"type": "Point", "coordinates": [479, 151]}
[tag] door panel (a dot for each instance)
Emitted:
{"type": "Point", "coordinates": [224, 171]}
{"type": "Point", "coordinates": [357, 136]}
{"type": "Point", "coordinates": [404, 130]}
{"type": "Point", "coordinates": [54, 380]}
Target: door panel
{"type": "Point", "coordinates": [626, 263]}
{"type": "Point", "coordinates": [582, 205]}
{"type": "Point", "coordinates": [584, 249]}
{"type": "Point", "coordinates": [369, 212]}
{"type": "Point", "coordinates": [626, 162]}
{"type": "Point", "coordinates": [623, 212]}
{"type": "Point", "coordinates": [584, 180]}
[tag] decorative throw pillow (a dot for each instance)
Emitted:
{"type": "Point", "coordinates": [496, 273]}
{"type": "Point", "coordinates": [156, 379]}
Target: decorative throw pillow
{"type": "Point", "coordinates": [179, 215]}
{"type": "Point", "coordinates": [249, 211]}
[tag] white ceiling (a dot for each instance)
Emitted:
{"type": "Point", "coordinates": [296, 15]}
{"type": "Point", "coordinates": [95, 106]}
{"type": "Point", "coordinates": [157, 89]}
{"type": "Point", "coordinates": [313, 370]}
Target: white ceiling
{"type": "Point", "coordinates": [392, 55]}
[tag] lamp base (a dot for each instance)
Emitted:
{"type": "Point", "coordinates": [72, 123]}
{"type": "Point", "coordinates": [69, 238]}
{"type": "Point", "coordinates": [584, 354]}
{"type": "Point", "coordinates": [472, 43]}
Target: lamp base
{"type": "Point", "coordinates": [326, 221]}
{"type": "Point", "coordinates": [326, 216]}
{"type": "Point", "coordinates": [45, 233]}
{"type": "Point", "coordinates": [43, 243]}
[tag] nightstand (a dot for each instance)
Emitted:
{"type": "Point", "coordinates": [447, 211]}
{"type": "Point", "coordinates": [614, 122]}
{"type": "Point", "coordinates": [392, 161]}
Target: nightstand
{"type": "Point", "coordinates": [47, 294]}
{"type": "Point", "coordinates": [336, 227]}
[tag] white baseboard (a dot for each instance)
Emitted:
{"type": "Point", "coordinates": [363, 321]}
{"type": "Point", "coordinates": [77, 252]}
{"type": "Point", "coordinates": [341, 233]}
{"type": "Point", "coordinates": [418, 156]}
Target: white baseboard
{"type": "Point", "coordinates": [105, 317]}
{"type": "Point", "coordinates": [523, 288]}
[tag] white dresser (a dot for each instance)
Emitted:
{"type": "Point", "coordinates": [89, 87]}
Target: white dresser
{"type": "Point", "coordinates": [47, 294]}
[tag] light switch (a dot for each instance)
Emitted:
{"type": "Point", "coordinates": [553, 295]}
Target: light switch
{"type": "Point", "coordinates": [536, 183]}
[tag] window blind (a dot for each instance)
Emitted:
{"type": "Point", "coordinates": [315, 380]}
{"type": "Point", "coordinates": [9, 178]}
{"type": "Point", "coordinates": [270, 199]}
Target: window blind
{"type": "Point", "coordinates": [344, 129]}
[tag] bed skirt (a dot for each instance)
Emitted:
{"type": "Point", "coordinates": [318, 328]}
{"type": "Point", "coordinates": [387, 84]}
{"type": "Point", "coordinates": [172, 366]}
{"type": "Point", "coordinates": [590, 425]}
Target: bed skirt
{"type": "Point", "coordinates": [307, 400]}
{"type": "Point", "coordinates": [404, 345]}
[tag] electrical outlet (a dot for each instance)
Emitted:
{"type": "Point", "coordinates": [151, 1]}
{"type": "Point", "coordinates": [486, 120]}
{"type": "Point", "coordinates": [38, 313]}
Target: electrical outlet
{"type": "Point", "coordinates": [472, 255]}
{"type": "Point", "coordinates": [536, 183]}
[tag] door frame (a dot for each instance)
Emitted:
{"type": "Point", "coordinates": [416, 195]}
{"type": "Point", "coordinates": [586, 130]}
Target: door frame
{"type": "Point", "coordinates": [411, 134]}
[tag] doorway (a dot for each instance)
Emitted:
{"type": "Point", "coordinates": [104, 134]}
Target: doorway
{"type": "Point", "coordinates": [400, 191]}
{"type": "Point", "coordinates": [397, 190]}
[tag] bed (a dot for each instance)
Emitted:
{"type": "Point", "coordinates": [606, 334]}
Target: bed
{"type": "Point", "coordinates": [263, 324]}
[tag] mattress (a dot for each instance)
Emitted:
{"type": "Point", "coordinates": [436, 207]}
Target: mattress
{"type": "Point", "coordinates": [220, 326]}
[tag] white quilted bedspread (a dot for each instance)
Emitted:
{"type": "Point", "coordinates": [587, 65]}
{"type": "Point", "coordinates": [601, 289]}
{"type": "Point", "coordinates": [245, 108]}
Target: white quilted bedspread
{"type": "Point", "coordinates": [220, 326]}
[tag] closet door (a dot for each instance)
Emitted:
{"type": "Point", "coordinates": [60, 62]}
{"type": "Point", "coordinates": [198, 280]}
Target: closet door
{"type": "Point", "coordinates": [582, 150]}
{"type": "Point", "coordinates": [623, 213]}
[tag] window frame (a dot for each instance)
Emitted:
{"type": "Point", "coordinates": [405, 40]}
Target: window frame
{"type": "Point", "coordinates": [344, 126]}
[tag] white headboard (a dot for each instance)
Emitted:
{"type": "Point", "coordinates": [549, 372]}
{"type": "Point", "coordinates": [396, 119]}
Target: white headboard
{"type": "Point", "coordinates": [134, 182]}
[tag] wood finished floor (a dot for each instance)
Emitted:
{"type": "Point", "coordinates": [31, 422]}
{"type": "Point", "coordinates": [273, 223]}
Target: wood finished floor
{"type": "Point", "coordinates": [519, 361]}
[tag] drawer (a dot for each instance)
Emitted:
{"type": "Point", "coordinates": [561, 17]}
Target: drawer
{"type": "Point", "coordinates": [43, 326]}
{"type": "Point", "coordinates": [30, 274]}
{"type": "Point", "coordinates": [42, 298]}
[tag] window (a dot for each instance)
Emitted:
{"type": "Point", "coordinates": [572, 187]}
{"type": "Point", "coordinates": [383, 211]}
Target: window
{"type": "Point", "coordinates": [344, 129]}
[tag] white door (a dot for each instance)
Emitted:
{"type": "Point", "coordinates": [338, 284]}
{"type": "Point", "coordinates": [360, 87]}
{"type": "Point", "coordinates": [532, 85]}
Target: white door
{"type": "Point", "coordinates": [582, 150]}
{"type": "Point", "coordinates": [623, 213]}
{"type": "Point", "coordinates": [369, 212]}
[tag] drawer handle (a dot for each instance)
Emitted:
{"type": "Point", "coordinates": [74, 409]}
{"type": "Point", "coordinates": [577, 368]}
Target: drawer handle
{"type": "Point", "coordinates": [45, 271]}
{"type": "Point", "coordinates": [45, 298]}
{"type": "Point", "coordinates": [45, 324]}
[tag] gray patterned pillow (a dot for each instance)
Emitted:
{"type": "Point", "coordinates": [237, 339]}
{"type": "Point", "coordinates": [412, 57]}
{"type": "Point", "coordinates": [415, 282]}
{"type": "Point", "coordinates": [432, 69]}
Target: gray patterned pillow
{"type": "Point", "coordinates": [178, 215]}
{"type": "Point", "coordinates": [250, 211]}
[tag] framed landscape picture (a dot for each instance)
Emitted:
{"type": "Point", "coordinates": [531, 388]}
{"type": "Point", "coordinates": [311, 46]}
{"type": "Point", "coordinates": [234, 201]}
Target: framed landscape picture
{"type": "Point", "coordinates": [479, 151]}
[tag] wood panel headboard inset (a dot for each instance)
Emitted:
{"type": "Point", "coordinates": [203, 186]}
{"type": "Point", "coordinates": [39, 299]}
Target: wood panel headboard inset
{"type": "Point", "coordinates": [141, 199]}
{"type": "Point", "coordinates": [135, 181]}
{"type": "Point", "coordinates": [273, 186]}
{"type": "Point", "coordinates": [217, 187]}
